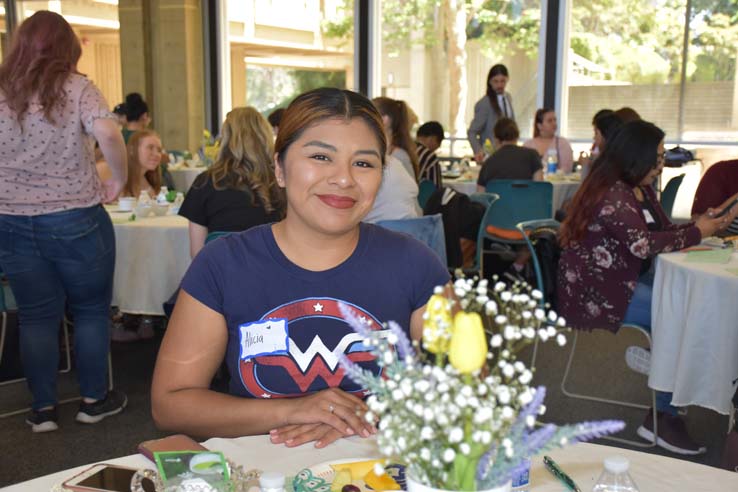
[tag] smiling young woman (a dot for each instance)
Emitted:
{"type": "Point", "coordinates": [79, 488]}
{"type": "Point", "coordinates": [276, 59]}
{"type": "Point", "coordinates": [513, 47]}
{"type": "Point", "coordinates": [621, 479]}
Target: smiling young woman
{"type": "Point", "coordinates": [266, 300]}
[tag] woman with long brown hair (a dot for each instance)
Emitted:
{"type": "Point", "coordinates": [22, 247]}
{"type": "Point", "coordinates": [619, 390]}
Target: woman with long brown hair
{"type": "Point", "coordinates": [614, 230]}
{"type": "Point", "coordinates": [144, 156]}
{"type": "Point", "coordinates": [240, 190]}
{"type": "Point", "coordinates": [396, 119]}
{"type": "Point", "coordinates": [56, 240]}
{"type": "Point", "coordinates": [547, 143]}
{"type": "Point", "coordinates": [266, 299]}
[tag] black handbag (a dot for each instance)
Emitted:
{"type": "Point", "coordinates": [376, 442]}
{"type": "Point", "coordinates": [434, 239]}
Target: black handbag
{"type": "Point", "coordinates": [678, 156]}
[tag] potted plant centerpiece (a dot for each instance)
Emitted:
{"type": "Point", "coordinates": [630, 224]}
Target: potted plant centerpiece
{"type": "Point", "coordinates": [461, 414]}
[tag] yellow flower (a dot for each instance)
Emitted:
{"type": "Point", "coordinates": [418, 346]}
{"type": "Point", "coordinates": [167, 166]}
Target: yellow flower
{"type": "Point", "coordinates": [437, 324]}
{"type": "Point", "coordinates": [468, 350]}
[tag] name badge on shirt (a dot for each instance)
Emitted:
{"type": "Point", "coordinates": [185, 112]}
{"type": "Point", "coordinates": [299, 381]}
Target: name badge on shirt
{"type": "Point", "coordinates": [267, 337]}
{"type": "Point", "coordinates": [648, 216]}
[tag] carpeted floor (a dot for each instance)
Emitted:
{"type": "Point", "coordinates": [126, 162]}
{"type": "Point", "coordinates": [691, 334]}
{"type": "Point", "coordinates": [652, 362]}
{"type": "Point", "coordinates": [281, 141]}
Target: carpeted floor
{"type": "Point", "coordinates": [599, 367]}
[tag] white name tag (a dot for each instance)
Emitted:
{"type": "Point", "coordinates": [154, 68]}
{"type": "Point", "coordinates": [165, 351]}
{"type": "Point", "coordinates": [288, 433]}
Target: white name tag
{"type": "Point", "coordinates": [268, 337]}
{"type": "Point", "coordinates": [648, 216]}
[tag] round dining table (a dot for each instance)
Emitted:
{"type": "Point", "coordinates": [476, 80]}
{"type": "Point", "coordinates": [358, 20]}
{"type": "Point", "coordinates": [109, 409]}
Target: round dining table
{"type": "Point", "coordinates": [582, 462]}
{"type": "Point", "coordinates": [694, 316]}
{"type": "Point", "coordinates": [184, 176]}
{"type": "Point", "coordinates": [152, 255]}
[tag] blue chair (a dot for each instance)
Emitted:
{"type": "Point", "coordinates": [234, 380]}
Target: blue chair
{"type": "Point", "coordinates": [427, 230]}
{"type": "Point", "coordinates": [212, 236]}
{"type": "Point", "coordinates": [488, 200]}
{"type": "Point", "coordinates": [425, 190]}
{"type": "Point", "coordinates": [668, 196]}
{"type": "Point", "coordinates": [519, 201]}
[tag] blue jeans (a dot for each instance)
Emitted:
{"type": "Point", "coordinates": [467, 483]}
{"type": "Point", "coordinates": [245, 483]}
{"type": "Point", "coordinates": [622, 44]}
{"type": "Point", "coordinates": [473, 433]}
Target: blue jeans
{"type": "Point", "coordinates": [639, 313]}
{"type": "Point", "coordinates": [49, 260]}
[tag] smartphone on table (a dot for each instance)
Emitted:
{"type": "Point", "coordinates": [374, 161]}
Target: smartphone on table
{"type": "Point", "coordinates": [104, 477]}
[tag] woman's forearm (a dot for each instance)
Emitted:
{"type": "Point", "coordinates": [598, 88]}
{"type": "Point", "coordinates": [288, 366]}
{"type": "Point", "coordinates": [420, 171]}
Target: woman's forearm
{"type": "Point", "coordinates": [206, 413]}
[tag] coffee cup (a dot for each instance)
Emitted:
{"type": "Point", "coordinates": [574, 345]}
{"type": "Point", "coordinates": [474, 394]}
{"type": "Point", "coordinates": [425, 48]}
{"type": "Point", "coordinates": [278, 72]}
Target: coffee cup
{"type": "Point", "coordinates": [126, 203]}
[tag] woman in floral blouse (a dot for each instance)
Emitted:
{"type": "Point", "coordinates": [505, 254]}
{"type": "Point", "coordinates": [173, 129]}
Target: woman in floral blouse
{"type": "Point", "coordinates": [609, 240]}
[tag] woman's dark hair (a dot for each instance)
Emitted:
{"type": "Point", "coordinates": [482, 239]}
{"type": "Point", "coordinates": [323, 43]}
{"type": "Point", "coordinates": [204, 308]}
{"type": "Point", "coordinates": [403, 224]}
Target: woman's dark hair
{"type": "Point", "coordinates": [628, 157]}
{"type": "Point", "coordinates": [312, 107]}
{"type": "Point", "coordinates": [135, 106]}
{"type": "Point", "coordinates": [538, 120]}
{"type": "Point", "coordinates": [506, 130]}
{"type": "Point", "coordinates": [44, 52]}
{"type": "Point", "coordinates": [120, 109]}
{"type": "Point", "coordinates": [498, 69]}
{"type": "Point", "coordinates": [275, 117]}
{"type": "Point", "coordinates": [399, 116]}
{"type": "Point", "coordinates": [627, 114]}
{"type": "Point", "coordinates": [608, 124]}
{"type": "Point", "coordinates": [601, 112]}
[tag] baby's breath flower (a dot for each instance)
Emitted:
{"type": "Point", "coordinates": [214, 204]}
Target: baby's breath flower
{"type": "Point", "coordinates": [496, 340]}
{"type": "Point", "coordinates": [561, 340]}
{"type": "Point", "coordinates": [449, 455]}
{"type": "Point", "coordinates": [464, 448]}
{"type": "Point", "coordinates": [455, 435]}
{"type": "Point", "coordinates": [500, 286]}
{"type": "Point", "coordinates": [506, 296]}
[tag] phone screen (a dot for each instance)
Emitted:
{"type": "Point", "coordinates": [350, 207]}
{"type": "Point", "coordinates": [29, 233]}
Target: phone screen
{"type": "Point", "coordinates": [114, 480]}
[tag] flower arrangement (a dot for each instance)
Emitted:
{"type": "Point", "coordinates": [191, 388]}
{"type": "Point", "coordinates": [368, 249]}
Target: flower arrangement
{"type": "Point", "coordinates": [463, 415]}
{"type": "Point", "coordinates": [208, 151]}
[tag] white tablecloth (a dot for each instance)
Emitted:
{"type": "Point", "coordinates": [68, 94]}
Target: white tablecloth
{"type": "Point", "coordinates": [583, 462]}
{"type": "Point", "coordinates": [183, 177]}
{"type": "Point", "coordinates": [152, 256]}
{"type": "Point", "coordinates": [695, 331]}
{"type": "Point", "coordinates": [562, 190]}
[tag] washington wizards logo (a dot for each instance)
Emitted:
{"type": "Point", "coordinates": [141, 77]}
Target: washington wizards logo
{"type": "Point", "coordinates": [316, 335]}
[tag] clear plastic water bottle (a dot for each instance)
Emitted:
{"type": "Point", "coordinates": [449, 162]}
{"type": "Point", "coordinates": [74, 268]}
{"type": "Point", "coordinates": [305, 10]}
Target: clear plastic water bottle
{"type": "Point", "coordinates": [178, 200]}
{"type": "Point", "coordinates": [144, 198]}
{"type": "Point", "coordinates": [271, 482]}
{"type": "Point", "coordinates": [615, 477]}
{"type": "Point", "coordinates": [552, 161]}
{"type": "Point", "coordinates": [161, 198]}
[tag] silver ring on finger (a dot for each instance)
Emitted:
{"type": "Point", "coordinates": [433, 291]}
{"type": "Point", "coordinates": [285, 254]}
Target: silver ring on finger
{"type": "Point", "coordinates": [331, 408]}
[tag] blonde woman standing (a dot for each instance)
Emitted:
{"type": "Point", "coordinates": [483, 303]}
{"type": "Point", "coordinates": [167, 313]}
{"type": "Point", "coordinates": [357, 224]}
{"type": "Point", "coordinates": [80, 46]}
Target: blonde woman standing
{"type": "Point", "coordinates": [240, 190]}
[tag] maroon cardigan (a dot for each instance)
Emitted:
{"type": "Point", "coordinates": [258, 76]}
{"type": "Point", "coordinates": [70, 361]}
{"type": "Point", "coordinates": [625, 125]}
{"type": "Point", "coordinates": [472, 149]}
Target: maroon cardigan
{"type": "Point", "coordinates": [598, 274]}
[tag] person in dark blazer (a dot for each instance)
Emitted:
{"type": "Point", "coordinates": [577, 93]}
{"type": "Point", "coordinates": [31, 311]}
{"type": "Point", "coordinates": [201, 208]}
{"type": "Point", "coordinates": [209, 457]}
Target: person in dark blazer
{"type": "Point", "coordinates": [495, 104]}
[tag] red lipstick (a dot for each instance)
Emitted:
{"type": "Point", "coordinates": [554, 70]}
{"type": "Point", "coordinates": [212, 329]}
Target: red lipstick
{"type": "Point", "coordinates": [337, 201]}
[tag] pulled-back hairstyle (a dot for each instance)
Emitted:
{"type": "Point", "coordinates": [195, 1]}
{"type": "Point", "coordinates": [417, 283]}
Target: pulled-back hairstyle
{"type": "Point", "coordinates": [496, 70]}
{"type": "Point", "coordinates": [628, 157]}
{"type": "Point", "coordinates": [506, 130]}
{"type": "Point", "coordinates": [538, 120]}
{"type": "Point", "coordinates": [134, 165]}
{"type": "Point", "coordinates": [312, 107]}
{"type": "Point", "coordinates": [44, 52]}
{"type": "Point", "coordinates": [244, 160]}
{"type": "Point", "coordinates": [399, 115]}
{"type": "Point", "coordinates": [135, 107]}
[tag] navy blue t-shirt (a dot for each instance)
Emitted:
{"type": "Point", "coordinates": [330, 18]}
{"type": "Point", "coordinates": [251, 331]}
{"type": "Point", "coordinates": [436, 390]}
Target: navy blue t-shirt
{"type": "Point", "coordinates": [285, 330]}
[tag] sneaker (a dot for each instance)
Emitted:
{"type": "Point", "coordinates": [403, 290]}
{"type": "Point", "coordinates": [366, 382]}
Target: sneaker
{"type": "Point", "coordinates": [146, 328]}
{"type": "Point", "coordinates": [672, 434]}
{"type": "Point", "coordinates": [43, 420]}
{"type": "Point", "coordinates": [91, 413]}
{"type": "Point", "coordinates": [120, 334]}
{"type": "Point", "coordinates": [638, 359]}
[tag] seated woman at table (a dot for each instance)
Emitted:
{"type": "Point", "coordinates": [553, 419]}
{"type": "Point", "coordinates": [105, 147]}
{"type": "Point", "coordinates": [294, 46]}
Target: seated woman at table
{"type": "Point", "coordinates": [510, 161]}
{"type": "Point", "coordinates": [267, 299]}
{"type": "Point", "coordinates": [396, 118]}
{"type": "Point", "coordinates": [144, 157]}
{"type": "Point", "coordinates": [609, 241]}
{"type": "Point", "coordinates": [546, 142]}
{"type": "Point", "coordinates": [240, 190]}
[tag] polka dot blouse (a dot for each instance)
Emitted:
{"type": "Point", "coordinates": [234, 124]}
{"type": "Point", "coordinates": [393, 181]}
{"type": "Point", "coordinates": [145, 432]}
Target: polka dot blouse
{"type": "Point", "coordinates": [47, 167]}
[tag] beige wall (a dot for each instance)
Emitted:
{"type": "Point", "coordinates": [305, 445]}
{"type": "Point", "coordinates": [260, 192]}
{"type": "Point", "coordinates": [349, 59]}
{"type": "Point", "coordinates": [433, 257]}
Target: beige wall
{"type": "Point", "coordinates": [100, 61]}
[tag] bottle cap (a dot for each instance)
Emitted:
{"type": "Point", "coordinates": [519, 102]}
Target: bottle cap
{"type": "Point", "coordinates": [617, 464]}
{"type": "Point", "coordinates": [271, 480]}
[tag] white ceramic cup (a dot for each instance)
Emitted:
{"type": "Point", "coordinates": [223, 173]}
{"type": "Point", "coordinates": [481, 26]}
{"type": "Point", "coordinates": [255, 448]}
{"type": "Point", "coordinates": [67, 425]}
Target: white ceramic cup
{"type": "Point", "coordinates": [126, 203]}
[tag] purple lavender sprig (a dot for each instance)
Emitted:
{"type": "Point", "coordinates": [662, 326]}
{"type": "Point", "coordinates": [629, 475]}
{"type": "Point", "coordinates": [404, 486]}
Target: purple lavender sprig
{"type": "Point", "coordinates": [404, 347]}
{"type": "Point", "coordinates": [353, 321]}
{"type": "Point", "coordinates": [358, 374]}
